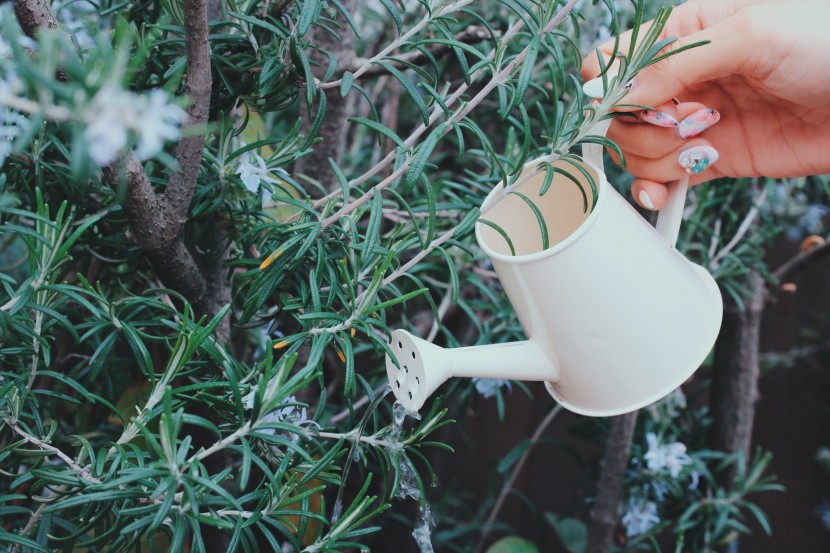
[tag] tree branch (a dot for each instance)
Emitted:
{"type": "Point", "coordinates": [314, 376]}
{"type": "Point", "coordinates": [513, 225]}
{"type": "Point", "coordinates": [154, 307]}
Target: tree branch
{"type": "Point", "coordinates": [156, 222]}
{"type": "Point", "coordinates": [34, 15]}
{"type": "Point", "coordinates": [40, 444]}
{"type": "Point", "coordinates": [603, 518]}
{"type": "Point", "coordinates": [179, 190]}
{"type": "Point", "coordinates": [153, 230]}
{"type": "Point", "coordinates": [470, 35]}
{"type": "Point", "coordinates": [801, 260]}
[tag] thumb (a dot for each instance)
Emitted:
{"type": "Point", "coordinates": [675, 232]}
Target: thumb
{"type": "Point", "coordinates": [723, 54]}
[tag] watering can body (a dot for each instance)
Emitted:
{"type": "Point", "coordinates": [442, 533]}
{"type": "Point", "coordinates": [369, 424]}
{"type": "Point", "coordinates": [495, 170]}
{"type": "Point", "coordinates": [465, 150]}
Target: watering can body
{"type": "Point", "coordinates": [616, 317]}
{"type": "Point", "coordinates": [623, 316]}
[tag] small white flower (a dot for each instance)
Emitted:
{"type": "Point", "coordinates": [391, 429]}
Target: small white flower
{"type": "Point", "coordinates": [10, 128]}
{"type": "Point", "coordinates": [672, 456]}
{"type": "Point", "coordinates": [639, 517]}
{"type": "Point", "coordinates": [288, 411]}
{"type": "Point", "coordinates": [159, 123]}
{"type": "Point", "coordinates": [668, 408]}
{"type": "Point", "coordinates": [114, 113]}
{"type": "Point", "coordinates": [487, 387]}
{"type": "Point", "coordinates": [5, 48]}
{"type": "Point", "coordinates": [253, 171]}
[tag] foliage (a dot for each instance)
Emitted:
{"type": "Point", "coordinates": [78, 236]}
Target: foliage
{"type": "Point", "coordinates": [127, 424]}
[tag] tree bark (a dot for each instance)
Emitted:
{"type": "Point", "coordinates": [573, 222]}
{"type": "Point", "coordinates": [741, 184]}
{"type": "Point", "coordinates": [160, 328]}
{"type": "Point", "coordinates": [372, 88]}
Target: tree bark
{"type": "Point", "coordinates": [603, 519]}
{"type": "Point", "coordinates": [735, 374]}
{"type": "Point", "coordinates": [34, 15]}
{"type": "Point", "coordinates": [315, 167]}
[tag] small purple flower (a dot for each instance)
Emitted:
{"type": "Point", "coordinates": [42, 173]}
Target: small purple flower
{"type": "Point", "coordinates": [695, 474]}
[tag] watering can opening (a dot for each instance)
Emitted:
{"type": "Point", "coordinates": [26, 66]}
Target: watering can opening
{"type": "Point", "coordinates": [564, 208]}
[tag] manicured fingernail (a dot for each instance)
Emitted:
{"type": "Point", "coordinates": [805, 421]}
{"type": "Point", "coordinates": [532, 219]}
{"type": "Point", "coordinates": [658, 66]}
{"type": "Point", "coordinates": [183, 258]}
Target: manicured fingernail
{"type": "Point", "coordinates": [695, 160]}
{"type": "Point", "coordinates": [698, 122]}
{"type": "Point", "coordinates": [594, 88]}
{"type": "Point", "coordinates": [658, 118]}
{"type": "Point", "coordinates": [645, 200]}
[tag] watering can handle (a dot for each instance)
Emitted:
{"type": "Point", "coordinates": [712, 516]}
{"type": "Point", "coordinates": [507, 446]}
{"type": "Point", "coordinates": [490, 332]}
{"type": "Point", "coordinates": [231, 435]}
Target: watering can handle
{"type": "Point", "coordinates": [669, 218]}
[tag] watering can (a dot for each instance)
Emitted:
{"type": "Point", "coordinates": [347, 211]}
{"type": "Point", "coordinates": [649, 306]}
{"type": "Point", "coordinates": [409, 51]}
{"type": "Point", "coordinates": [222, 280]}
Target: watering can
{"type": "Point", "coordinates": [616, 317]}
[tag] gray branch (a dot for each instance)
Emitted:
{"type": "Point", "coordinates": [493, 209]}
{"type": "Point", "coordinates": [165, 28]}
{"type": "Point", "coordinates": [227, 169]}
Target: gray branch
{"type": "Point", "coordinates": [157, 221]}
{"type": "Point", "coordinates": [604, 516]}
{"type": "Point", "coordinates": [34, 15]}
{"type": "Point", "coordinates": [470, 35]}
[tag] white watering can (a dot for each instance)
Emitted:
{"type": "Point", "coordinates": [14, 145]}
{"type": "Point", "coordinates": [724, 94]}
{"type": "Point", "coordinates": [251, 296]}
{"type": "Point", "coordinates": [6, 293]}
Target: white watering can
{"type": "Point", "coordinates": [616, 317]}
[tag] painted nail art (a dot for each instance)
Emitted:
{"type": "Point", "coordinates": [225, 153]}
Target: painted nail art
{"type": "Point", "coordinates": [658, 118]}
{"type": "Point", "coordinates": [645, 199]}
{"type": "Point", "coordinates": [695, 160]}
{"type": "Point", "coordinates": [698, 122]}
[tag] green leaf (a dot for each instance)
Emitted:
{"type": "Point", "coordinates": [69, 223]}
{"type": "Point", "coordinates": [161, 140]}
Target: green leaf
{"type": "Point", "coordinates": [310, 12]}
{"type": "Point", "coordinates": [393, 11]}
{"type": "Point", "coordinates": [527, 71]}
{"type": "Point", "coordinates": [382, 129]}
{"type": "Point", "coordinates": [543, 227]}
{"type": "Point", "coordinates": [409, 87]}
{"type": "Point", "coordinates": [501, 231]}
{"type": "Point", "coordinates": [346, 83]}
{"type": "Point", "coordinates": [572, 533]}
{"type": "Point", "coordinates": [373, 228]}
{"type": "Point", "coordinates": [455, 283]}
{"type": "Point", "coordinates": [512, 544]}
{"type": "Point", "coordinates": [419, 161]}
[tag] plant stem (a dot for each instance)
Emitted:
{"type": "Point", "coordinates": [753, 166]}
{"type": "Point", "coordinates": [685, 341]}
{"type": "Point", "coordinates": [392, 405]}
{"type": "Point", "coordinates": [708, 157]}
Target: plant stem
{"type": "Point", "coordinates": [514, 474]}
{"type": "Point", "coordinates": [40, 444]}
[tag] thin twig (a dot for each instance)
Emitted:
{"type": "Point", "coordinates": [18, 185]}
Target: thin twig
{"type": "Point", "coordinates": [470, 35]}
{"type": "Point", "coordinates": [443, 307]}
{"type": "Point", "coordinates": [802, 259]}
{"type": "Point", "coordinates": [794, 354]}
{"type": "Point", "coordinates": [745, 225]}
{"type": "Point", "coordinates": [40, 444]}
{"type": "Point", "coordinates": [400, 41]}
{"type": "Point", "coordinates": [514, 474]}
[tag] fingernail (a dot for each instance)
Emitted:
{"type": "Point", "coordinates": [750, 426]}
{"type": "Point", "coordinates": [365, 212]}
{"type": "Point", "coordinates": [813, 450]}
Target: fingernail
{"type": "Point", "coordinates": [698, 122]}
{"type": "Point", "coordinates": [594, 88]}
{"type": "Point", "coordinates": [645, 200]}
{"type": "Point", "coordinates": [695, 160]}
{"type": "Point", "coordinates": [658, 118]}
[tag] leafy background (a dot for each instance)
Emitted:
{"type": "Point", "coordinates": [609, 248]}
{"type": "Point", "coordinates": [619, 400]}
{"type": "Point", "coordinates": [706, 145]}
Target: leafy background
{"type": "Point", "coordinates": [136, 414]}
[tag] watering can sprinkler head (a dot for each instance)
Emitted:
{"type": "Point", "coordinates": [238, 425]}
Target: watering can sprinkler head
{"type": "Point", "coordinates": [420, 367]}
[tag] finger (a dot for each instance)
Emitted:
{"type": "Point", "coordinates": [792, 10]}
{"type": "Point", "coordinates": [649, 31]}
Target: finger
{"type": "Point", "coordinates": [649, 194]}
{"type": "Point", "coordinates": [652, 195]}
{"type": "Point", "coordinates": [593, 66]}
{"type": "Point", "coordinates": [722, 56]}
{"type": "Point", "coordinates": [696, 158]}
{"type": "Point", "coordinates": [692, 22]}
{"type": "Point", "coordinates": [652, 140]}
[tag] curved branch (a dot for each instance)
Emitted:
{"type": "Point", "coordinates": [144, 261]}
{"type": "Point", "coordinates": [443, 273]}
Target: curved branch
{"type": "Point", "coordinates": [180, 189]}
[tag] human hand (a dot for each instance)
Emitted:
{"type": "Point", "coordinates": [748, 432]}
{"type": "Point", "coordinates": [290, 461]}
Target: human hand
{"type": "Point", "coordinates": [765, 70]}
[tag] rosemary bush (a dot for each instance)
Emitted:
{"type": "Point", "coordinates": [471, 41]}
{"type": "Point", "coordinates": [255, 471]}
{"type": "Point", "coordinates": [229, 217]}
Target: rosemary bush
{"type": "Point", "coordinates": [192, 330]}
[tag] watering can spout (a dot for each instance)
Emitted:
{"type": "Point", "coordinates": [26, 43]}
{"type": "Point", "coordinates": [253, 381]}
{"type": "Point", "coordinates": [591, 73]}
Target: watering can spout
{"type": "Point", "coordinates": [420, 367]}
